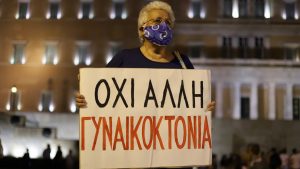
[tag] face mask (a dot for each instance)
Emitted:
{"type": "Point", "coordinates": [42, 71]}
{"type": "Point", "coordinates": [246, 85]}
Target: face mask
{"type": "Point", "coordinates": [160, 35]}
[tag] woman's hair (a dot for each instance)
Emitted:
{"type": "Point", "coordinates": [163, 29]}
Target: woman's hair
{"type": "Point", "coordinates": [143, 16]}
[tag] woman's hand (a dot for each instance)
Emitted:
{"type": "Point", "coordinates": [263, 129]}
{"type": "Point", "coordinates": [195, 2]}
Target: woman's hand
{"type": "Point", "coordinates": [210, 106]}
{"type": "Point", "coordinates": [80, 101]}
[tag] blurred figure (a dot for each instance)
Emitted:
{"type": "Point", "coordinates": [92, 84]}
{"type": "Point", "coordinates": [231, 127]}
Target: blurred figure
{"type": "Point", "coordinates": [275, 161]}
{"type": "Point", "coordinates": [70, 160]}
{"type": "Point", "coordinates": [1, 150]}
{"type": "Point", "coordinates": [257, 161]}
{"type": "Point", "coordinates": [58, 155]}
{"type": "Point", "coordinates": [26, 154]}
{"type": "Point", "coordinates": [284, 159]}
{"type": "Point", "coordinates": [224, 161]}
{"type": "Point", "coordinates": [214, 161]}
{"type": "Point", "coordinates": [26, 160]}
{"type": "Point", "coordinates": [295, 159]}
{"type": "Point", "coordinates": [47, 152]}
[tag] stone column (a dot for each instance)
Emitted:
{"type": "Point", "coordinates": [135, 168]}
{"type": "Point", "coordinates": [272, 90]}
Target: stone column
{"type": "Point", "coordinates": [272, 108]}
{"type": "Point", "coordinates": [237, 101]}
{"type": "Point", "coordinates": [219, 100]}
{"type": "Point", "coordinates": [288, 109]}
{"type": "Point", "coordinates": [253, 102]}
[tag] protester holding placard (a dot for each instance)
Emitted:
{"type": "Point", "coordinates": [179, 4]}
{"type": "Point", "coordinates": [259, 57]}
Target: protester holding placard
{"type": "Point", "coordinates": [155, 30]}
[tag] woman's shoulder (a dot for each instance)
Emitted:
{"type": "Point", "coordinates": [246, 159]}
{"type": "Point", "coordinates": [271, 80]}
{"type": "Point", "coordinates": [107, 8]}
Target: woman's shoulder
{"type": "Point", "coordinates": [129, 51]}
{"type": "Point", "coordinates": [121, 56]}
{"type": "Point", "coordinates": [187, 61]}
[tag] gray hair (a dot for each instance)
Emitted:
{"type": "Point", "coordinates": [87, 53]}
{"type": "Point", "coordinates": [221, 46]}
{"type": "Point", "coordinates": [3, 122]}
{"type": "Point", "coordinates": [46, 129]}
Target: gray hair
{"type": "Point", "coordinates": [143, 15]}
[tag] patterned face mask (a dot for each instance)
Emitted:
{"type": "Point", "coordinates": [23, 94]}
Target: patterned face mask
{"type": "Point", "coordinates": [160, 34]}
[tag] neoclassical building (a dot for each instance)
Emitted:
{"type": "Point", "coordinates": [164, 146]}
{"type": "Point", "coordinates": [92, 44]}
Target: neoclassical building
{"type": "Point", "coordinates": [252, 48]}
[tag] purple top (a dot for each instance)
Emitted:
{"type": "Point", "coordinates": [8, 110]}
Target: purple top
{"type": "Point", "coordinates": [134, 58]}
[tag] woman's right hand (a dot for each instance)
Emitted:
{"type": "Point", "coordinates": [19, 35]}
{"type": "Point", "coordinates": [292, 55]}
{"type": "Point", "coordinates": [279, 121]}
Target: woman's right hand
{"type": "Point", "coordinates": [80, 101]}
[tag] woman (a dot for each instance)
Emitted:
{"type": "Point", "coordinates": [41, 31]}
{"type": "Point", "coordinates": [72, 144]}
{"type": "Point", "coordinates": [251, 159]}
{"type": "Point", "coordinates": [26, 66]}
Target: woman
{"type": "Point", "coordinates": [155, 30]}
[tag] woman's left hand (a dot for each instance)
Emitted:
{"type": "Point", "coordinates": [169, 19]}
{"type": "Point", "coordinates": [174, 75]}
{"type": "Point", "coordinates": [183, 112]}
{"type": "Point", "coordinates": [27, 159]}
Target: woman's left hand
{"type": "Point", "coordinates": [210, 106]}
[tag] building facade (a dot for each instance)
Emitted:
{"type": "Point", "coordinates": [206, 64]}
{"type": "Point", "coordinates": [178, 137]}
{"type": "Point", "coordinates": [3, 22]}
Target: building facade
{"type": "Point", "coordinates": [252, 48]}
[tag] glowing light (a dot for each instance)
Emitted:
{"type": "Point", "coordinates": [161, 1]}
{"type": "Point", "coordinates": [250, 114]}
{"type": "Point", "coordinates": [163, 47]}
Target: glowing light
{"type": "Point", "coordinates": [12, 60]}
{"type": "Point", "coordinates": [59, 14]}
{"type": "Point", "coordinates": [14, 89]}
{"type": "Point", "coordinates": [124, 14]}
{"type": "Point", "coordinates": [190, 13]}
{"type": "Point", "coordinates": [18, 151]}
{"type": "Point", "coordinates": [19, 107]}
{"type": "Point", "coordinates": [53, 152]}
{"type": "Point", "coordinates": [80, 15]}
{"type": "Point", "coordinates": [76, 60]}
{"type": "Point", "coordinates": [202, 14]}
{"type": "Point", "coordinates": [88, 60]}
{"type": "Point", "coordinates": [108, 58]}
{"type": "Point", "coordinates": [267, 13]}
{"type": "Point", "coordinates": [283, 15]}
{"type": "Point", "coordinates": [73, 106]}
{"type": "Point", "coordinates": [27, 15]}
{"type": "Point", "coordinates": [235, 9]}
{"type": "Point", "coordinates": [48, 15]}
{"type": "Point", "coordinates": [40, 107]}
{"type": "Point", "coordinates": [23, 60]}
{"type": "Point", "coordinates": [91, 14]}
{"type": "Point", "coordinates": [296, 15]}
{"type": "Point", "coordinates": [112, 14]}
{"type": "Point", "coordinates": [7, 106]}
{"type": "Point", "coordinates": [51, 107]}
{"type": "Point", "coordinates": [17, 16]}
{"type": "Point", "coordinates": [33, 151]}
{"type": "Point", "coordinates": [44, 60]}
{"type": "Point", "coordinates": [55, 60]}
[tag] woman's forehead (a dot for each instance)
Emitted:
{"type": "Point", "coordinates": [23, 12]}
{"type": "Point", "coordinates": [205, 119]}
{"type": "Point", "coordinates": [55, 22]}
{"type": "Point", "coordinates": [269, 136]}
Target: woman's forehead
{"type": "Point", "coordinates": [158, 13]}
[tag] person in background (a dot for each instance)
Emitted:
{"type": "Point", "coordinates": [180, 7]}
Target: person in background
{"type": "Point", "coordinates": [294, 161]}
{"type": "Point", "coordinates": [70, 160]}
{"type": "Point", "coordinates": [257, 161]}
{"type": "Point", "coordinates": [58, 155]}
{"type": "Point", "coordinates": [275, 161]}
{"type": "Point", "coordinates": [1, 150]}
{"type": "Point", "coordinates": [47, 152]}
{"type": "Point", "coordinates": [284, 159]}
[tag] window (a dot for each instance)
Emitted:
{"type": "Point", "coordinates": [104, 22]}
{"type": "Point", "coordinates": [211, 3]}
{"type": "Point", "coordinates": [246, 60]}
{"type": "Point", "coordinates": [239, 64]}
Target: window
{"type": "Point", "coordinates": [196, 9]}
{"type": "Point", "coordinates": [227, 47]}
{"type": "Point", "coordinates": [23, 10]}
{"type": "Point", "coordinates": [290, 10]}
{"type": "Point", "coordinates": [259, 9]}
{"type": "Point", "coordinates": [296, 108]}
{"type": "Point", "coordinates": [46, 102]}
{"type": "Point", "coordinates": [14, 100]}
{"type": "Point", "coordinates": [243, 47]}
{"type": "Point", "coordinates": [50, 56]}
{"type": "Point", "coordinates": [245, 107]}
{"type": "Point", "coordinates": [18, 53]}
{"type": "Point", "coordinates": [243, 8]}
{"type": "Point", "coordinates": [114, 48]}
{"type": "Point", "coordinates": [194, 51]}
{"type": "Point", "coordinates": [82, 54]}
{"type": "Point", "coordinates": [259, 47]}
{"type": "Point", "coordinates": [227, 8]}
{"type": "Point", "coordinates": [291, 52]}
{"type": "Point", "coordinates": [54, 11]}
{"type": "Point", "coordinates": [86, 10]}
{"type": "Point", "coordinates": [118, 10]}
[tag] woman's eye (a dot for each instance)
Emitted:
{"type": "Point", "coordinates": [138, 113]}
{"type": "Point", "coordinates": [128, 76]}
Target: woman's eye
{"type": "Point", "coordinates": [157, 20]}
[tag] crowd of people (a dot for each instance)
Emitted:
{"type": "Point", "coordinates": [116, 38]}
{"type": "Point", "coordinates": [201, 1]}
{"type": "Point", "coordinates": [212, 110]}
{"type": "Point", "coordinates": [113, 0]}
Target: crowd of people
{"type": "Point", "coordinates": [253, 158]}
{"type": "Point", "coordinates": [45, 161]}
